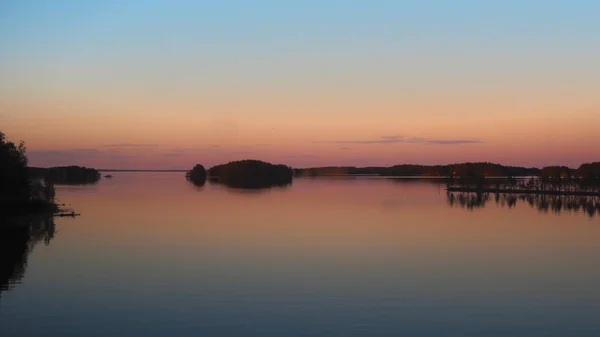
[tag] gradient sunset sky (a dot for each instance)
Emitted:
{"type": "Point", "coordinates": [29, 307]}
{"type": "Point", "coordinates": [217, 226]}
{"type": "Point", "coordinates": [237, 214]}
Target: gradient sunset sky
{"type": "Point", "coordinates": [167, 84]}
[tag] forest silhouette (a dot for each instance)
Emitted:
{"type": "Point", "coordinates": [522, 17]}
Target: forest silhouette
{"type": "Point", "coordinates": [248, 174]}
{"type": "Point", "coordinates": [27, 190]}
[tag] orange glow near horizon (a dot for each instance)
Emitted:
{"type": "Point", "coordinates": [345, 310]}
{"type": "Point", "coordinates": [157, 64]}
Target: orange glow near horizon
{"type": "Point", "coordinates": [155, 141]}
{"type": "Point", "coordinates": [294, 94]}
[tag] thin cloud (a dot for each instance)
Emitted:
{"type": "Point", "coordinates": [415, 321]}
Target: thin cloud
{"type": "Point", "coordinates": [381, 140]}
{"type": "Point", "coordinates": [401, 139]}
{"type": "Point", "coordinates": [421, 140]}
{"type": "Point", "coordinates": [416, 140]}
{"type": "Point", "coordinates": [453, 141]}
{"type": "Point", "coordinates": [131, 145]}
{"type": "Point", "coordinates": [305, 156]}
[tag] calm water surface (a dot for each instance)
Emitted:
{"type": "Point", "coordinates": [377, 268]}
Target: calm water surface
{"type": "Point", "coordinates": [152, 255]}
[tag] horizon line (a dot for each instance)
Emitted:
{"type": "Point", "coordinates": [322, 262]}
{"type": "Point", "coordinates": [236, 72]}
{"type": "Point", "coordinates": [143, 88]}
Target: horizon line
{"type": "Point", "coordinates": [308, 167]}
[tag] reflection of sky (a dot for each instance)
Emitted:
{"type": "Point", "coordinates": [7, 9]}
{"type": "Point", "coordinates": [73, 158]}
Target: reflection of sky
{"type": "Point", "coordinates": [311, 83]}
{"type": "Point", "coordinates": [152, 254]}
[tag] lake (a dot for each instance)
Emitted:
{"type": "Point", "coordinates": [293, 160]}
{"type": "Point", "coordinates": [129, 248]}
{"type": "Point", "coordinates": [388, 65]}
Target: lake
{"type": "Point", "coordinates": [153, 255]}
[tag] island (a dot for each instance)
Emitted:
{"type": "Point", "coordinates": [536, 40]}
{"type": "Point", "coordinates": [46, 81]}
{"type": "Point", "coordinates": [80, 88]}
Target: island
{"type": "Point", "coordinates": [251, 174]}
{"type": "Point", "coordinates": [197, 175]}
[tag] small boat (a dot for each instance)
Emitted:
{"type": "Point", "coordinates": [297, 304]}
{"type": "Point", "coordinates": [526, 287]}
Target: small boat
{"type": "Point", "coordinates": [108, 176]}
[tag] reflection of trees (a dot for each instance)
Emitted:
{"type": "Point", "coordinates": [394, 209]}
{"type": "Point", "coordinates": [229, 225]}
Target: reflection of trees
{"type": "Point", "coordinates": [197, 183]}
{"type": "Point", "coordinates": [17, 240]}
{"type": "Point", "coordinates": [468, 200]}
{"type": "Point", "coordinates": [544, 203]}
{"type": "Point", "coordinates": [197, 175]}
{"type": "Point", "coordinates": [248, 190]}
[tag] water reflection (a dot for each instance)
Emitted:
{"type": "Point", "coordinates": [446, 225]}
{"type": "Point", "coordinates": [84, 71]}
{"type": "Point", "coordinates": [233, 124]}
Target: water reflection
{"type": "Point", "coordinates": [152, 256]}
{"type": "Point", "coordinates": [198, 184]}
{"type": "Point", "coordinates": [543, 203]}
{"type": "Point", "coordinates": [249, 187]}
{"type": "Point", "coordinates": [18, 237]}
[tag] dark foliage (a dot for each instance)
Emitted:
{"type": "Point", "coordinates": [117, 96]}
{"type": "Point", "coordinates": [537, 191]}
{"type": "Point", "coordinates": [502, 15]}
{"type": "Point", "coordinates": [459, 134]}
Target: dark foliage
{"type": "Point", "coordinates": [14, 180]}
{"type": "Point", "coordinates": [556, 172]}
{"type": "Point", "coordinates": [464, 170]}
{"type": "Point", "coordinates": [33, 206]}
{"type": "Point", "coordinates": [589, 173]}
{"type": "Point", "coordinates": [67, 175]}
{"type": "Point", "coordinates": [251, 174]}
{"type": "Point", "coordinates": [19, 193]}
{"type": "Point", "coordinates": [538, 185]}
{"type": "Point", "coordinates": [197, 175]}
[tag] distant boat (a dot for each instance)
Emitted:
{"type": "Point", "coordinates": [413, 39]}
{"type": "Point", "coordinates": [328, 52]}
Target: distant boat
{"type": "Point", "coordinates": [108, 176]}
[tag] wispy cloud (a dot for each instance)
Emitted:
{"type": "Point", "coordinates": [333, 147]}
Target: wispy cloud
{"type": "Point", "coordinates": [131, 145]}
{"type": "Point", "coordinates": [381, 140]}
{"type": "Point", "coordinates": [401, 139]}
{"type": "Point", "coordinates": [306, 156]}
{"type": "Point", "coordinates": [453, 141]}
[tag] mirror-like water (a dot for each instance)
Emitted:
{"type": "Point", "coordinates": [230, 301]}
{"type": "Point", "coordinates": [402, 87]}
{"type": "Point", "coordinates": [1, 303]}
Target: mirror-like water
{"type": "Point", "coordinates": [153, 255]}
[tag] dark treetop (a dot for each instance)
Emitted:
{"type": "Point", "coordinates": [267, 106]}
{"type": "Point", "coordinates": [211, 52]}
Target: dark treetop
{"type": "Point", "coordinates": [66, 174]}
{"type": "Point", "coordinates": [460, 169]}
{"type": "Point", "coordinates": [197, 175]}
{"type": "Point", "coordinates": [251, 174]}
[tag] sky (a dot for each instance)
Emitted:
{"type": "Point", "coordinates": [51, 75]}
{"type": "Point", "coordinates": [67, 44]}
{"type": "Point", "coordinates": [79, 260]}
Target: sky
{"type": "Point", "coordinates": [168, 84]}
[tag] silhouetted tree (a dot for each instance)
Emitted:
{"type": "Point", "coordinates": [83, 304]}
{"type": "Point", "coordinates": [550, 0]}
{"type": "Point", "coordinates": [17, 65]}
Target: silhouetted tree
{"type": "Point", "coordinates": [550, 172]}
{"type": "Point", "coordinates": [14, 180]}
{"type": "Point", "coordinates": [18, 194]}
{"type": "Point", "coordinates": [590, 173]}
{"type": "Point", "coordinates": [197, 175]}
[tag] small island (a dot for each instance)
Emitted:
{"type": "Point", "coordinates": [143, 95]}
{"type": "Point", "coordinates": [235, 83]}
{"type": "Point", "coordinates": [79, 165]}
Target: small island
{"type": "Point", "coordinates": [197, 175]}
{"type": "Point", "coordinates": [248, 174]}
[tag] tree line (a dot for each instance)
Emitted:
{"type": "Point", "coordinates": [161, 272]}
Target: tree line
{"type": "Point", "coordinates": [590, 171]}
{"type": "Point", "coordinates": [460, 169]}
